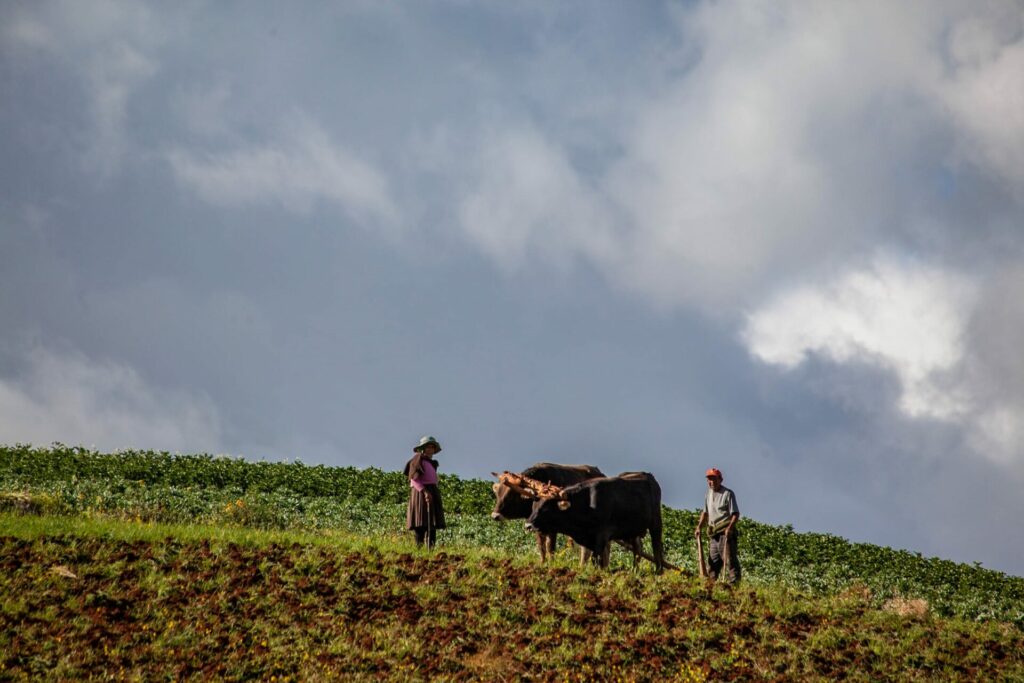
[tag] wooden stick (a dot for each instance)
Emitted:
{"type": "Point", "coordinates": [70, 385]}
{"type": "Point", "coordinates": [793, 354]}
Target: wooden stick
{"type": "Point", "coordinates": [429, 499]}
{"type": "Point", "coordinates": [726, 559]}
{"type": "Point", "coordinates": [537, 488]}
{"type": "Point", "coordinates": [700, 558]}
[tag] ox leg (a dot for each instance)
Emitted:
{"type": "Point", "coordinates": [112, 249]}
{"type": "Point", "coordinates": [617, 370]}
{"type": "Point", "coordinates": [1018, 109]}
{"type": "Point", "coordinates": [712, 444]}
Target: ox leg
{"type": "Point", "coordinates": [550, 541]}
{"type": "Point", "coordinates": [542, 546]}
{"type": "Point", "coordinates": [601, 552]}
{"type": "Point", "coordinates": [658, 546]}
{"type": "Point", "coordinates": [584, 553]}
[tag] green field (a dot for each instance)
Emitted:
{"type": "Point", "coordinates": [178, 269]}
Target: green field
{"type": "Point", "coordinates": [150, 566]}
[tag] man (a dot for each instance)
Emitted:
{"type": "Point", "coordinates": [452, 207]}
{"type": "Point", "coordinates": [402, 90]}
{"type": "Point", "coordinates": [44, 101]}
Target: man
{"type": "Point", "coordinates": [721, 514]}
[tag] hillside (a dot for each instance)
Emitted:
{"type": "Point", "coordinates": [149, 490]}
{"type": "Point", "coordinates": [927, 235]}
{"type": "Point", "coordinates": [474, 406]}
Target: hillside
{"type": "Point", "coordinates": [124, 600]}
{"type": "Point", "coordinates": [196, 566]}
{"type": "Point", "coordinates": [160, 487]}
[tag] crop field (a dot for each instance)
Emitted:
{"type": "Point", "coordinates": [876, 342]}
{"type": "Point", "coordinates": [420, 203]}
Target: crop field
{"type": "Point", "coordinates": [143, 566]}
{"type": "Point", "coordinates": [159, 487]}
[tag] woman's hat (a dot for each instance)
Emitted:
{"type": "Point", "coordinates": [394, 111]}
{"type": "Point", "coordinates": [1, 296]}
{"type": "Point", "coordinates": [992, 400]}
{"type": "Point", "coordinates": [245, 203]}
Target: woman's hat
{"type": "Point", "coordinates": [427, 440]}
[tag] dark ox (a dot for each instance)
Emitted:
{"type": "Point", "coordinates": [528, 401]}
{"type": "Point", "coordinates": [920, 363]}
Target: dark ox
{"type": "Point", "coordinates": [510, 504]}
{"type": "Point", "coordinates": [593, 513]}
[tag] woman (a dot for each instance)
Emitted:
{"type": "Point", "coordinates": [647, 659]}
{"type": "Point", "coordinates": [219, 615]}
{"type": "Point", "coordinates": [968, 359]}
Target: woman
{"type": "Point", "coordinates": [425, 514]}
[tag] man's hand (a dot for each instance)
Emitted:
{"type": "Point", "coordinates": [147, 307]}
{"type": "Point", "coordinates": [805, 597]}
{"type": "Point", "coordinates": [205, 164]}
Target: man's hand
{"type": "Point", "coordinates": [427, 497]}
{"type": "Point", "coordinates": [696, 532]}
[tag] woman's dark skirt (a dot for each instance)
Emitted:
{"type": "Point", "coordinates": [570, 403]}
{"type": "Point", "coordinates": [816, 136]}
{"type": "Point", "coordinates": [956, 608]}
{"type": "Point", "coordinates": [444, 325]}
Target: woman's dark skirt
{"type": "Point", "coordinates": [416, 513]}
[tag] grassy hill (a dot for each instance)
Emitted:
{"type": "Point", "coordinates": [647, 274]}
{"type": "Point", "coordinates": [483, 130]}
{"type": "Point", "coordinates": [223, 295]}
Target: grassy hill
{"type": "Point", "coordinates": [147, 565]}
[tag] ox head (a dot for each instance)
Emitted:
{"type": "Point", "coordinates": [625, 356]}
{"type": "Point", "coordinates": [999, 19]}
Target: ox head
{"type": "Point", "coordinates": [513, 499]}
{"type": "Point", "coordinates": [518, 494]}
{"type": "Point", "coordinates": [547, 511]}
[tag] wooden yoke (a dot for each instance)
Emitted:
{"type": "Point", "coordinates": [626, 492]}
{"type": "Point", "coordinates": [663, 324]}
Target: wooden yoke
{"type": "Point", "coordinates": [529, 487]}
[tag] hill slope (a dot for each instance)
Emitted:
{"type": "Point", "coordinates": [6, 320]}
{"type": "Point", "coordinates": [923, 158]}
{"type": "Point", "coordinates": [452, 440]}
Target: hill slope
{"type": "Point", "coordinates": [161, 487]}
{"type": "Point", "coordinates": [103, 599]}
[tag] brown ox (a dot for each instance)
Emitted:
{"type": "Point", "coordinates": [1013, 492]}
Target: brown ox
{"type": "Point", "coordinates": [516, 493]}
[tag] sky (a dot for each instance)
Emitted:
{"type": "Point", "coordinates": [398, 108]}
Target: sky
{"type": "Point", "coordinates": [784, 239]}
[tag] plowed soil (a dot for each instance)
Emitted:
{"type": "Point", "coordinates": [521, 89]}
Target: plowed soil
{"type": "Point", "coordinates": [93, 608]}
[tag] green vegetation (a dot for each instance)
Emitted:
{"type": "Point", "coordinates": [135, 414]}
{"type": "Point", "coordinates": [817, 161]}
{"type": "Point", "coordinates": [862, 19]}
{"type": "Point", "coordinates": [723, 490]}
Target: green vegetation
{"type": "Point", "coordinates": [160, 487]}
{"type": "Point", "coordinates": [126, 564]}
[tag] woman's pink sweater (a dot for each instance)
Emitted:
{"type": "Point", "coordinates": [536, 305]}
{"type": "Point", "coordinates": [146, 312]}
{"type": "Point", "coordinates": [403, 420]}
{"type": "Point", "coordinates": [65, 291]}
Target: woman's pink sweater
{"type": "Point", "coordinates": [427, 477]}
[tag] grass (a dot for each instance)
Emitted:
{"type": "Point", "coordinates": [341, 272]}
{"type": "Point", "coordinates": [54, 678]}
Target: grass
{"type": "Point", "coordinates": [34, 527]}
{"type": "Point", "coordinates": [96, 598]}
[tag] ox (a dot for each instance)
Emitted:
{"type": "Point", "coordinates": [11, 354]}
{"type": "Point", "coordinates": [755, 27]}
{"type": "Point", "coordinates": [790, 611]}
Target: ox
{"type": "Point", "coordinates": [593, 513]}
{"type": "Point", "coordinates": [516, 502]}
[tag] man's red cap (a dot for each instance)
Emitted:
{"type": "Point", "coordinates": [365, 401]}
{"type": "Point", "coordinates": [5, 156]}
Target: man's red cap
{"type": "Point", "coordinates": [714, 472]}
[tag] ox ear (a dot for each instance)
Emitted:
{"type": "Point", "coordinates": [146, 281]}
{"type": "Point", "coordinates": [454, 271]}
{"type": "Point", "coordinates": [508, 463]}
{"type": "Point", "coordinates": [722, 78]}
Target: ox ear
{"type": "Point", "coordinates": [494, 486]}
{"type": "Point", "coordinates": [563, 505]}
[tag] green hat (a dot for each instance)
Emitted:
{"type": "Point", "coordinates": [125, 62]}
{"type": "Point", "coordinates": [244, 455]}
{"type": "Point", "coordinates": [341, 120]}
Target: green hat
{"type": "Point", "coordinates": [427, 440]}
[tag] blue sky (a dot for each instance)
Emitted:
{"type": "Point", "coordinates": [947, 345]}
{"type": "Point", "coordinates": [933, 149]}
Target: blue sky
{"type": "Point", "coordinates": [780, 238]}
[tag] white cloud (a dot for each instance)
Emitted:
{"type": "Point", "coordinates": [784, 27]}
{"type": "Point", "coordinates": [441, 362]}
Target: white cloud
{"type": "Point", "coordinates": [75, 400]}
{"type": "Point", "coordinates": [907, 318]}
{"type": "Point", "coordinates": [527, 200]}
{"type": "Point", "coordinates": [985, 92]}
{"type": "Point", "coordinates": [305, 167]}
{"type": "Point", "coordinates": [999, 433]}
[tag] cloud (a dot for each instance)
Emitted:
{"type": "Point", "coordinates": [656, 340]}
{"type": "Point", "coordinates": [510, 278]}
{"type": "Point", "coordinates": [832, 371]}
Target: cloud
{"type": "Point", "coordinates": [914, 321]}
{"type": "Point", "coordinates": [72, 399]}
{"type": "Point", "coordinates": [109, 47]}
{"type": "Point", "coordinates": [305, 167]}
{"type": "Point", "coordinates": [527, 200]}
{"type": "Point", "coordinates": [995, 367]}
{"type": "Point", "coordinates": [204, 109]}
{"type": "Point", "coordinates": [785, 145]}
{"type": "Point", "coordinates": [27, 32]}
{"type": "Point", "coordinates": [779, 135]}
{"type": "Point", "coordinates": [985, 90]}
